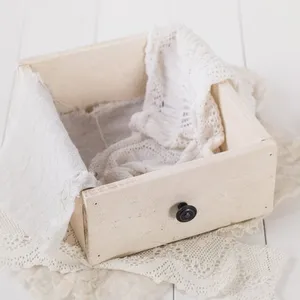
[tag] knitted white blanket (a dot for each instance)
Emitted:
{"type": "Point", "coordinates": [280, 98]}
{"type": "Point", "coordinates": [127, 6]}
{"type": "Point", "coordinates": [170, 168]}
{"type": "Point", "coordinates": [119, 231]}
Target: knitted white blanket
{"type": "Point", "coordinates": [42, 172]}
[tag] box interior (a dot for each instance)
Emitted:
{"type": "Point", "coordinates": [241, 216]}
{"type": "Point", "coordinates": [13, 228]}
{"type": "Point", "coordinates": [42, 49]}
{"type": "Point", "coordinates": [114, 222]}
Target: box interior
{"type": "Point", "coordinates": [115, 71]}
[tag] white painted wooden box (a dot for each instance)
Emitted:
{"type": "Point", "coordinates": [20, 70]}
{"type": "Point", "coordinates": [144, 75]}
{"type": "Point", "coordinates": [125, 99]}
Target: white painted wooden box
{"type": "Point", "coordinates": [135, 214]}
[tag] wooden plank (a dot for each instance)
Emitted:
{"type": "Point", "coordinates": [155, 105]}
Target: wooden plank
{"type": "Point", "coordinates": [272, 49]}
{"type": "Point", "coordinates": [215, 21]}
{"type": "Point", "coordinates": [55, 25]}
{"type": "Point", "coordinates": [11, 16]}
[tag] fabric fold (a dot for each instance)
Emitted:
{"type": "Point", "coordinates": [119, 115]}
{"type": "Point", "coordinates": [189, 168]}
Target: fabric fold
{"type": "Point", "coordinates": [180, 121]}
{"type": "Point", "coordinates": [41, 170]}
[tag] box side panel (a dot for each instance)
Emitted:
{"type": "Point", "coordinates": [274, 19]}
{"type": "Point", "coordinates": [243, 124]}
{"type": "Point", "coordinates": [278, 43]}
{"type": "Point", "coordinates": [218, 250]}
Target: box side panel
{"type": "Point", "coordinates": [228, 188]}
{"type": "Point", "coordinates": [241, 126]}
{"type": "Point", "coordinates": [77, 222]}
{"type": "Point", "coordinates": [107, 72]}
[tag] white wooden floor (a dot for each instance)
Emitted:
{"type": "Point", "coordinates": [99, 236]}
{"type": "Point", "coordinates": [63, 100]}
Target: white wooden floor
{"type": "Point", "coordinates": [261, 34]}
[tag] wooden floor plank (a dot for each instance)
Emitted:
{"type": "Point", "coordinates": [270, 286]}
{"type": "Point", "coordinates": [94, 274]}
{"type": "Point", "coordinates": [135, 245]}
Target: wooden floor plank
{"type": "Point", "coordinates": [55, 25]}
{"type": "Point", "coordinates": [11, 17]}
{"type": "Point", "coordinates": [272, 49]}
{"type": "Point", "coordinates": [215, 21]}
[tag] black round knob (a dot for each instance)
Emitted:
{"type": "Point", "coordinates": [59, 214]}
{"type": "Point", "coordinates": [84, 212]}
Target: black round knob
{"type": "Point", "coordinates": [186, 212]}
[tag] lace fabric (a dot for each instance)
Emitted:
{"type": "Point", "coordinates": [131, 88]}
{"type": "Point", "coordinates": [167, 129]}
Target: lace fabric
{"type": "Point", "coordinates": [36, 201]}
{"type": "Point", "coordinates": [251, 273]}
{"type": "Point", "coordinates": [252, 270]}
{"type": "Point", "coordinates": [196, 265]}
{"type": "Point", "coordinates": [204, 274]}
{"type": "Point", "coordinates": [180, 120]}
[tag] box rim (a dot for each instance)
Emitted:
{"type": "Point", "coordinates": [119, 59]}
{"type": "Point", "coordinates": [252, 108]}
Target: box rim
{"type": "Point", "coordinates": [180, 168]}
{"type": "Point", "coordinates": [102, 44]}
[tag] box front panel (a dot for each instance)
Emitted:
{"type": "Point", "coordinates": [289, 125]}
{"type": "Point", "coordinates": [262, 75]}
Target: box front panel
{"type": "Point", "coordinates": [140, 213]}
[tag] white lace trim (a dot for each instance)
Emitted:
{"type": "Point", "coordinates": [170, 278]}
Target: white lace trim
{"type": "Point", "coordinates": [41, 174]}
{"type": "Point", "coordinates": [180, 120]}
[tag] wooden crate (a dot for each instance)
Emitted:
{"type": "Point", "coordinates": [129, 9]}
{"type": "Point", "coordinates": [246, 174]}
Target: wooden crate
{"type": "Point", "coordinates": [139, 213]}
